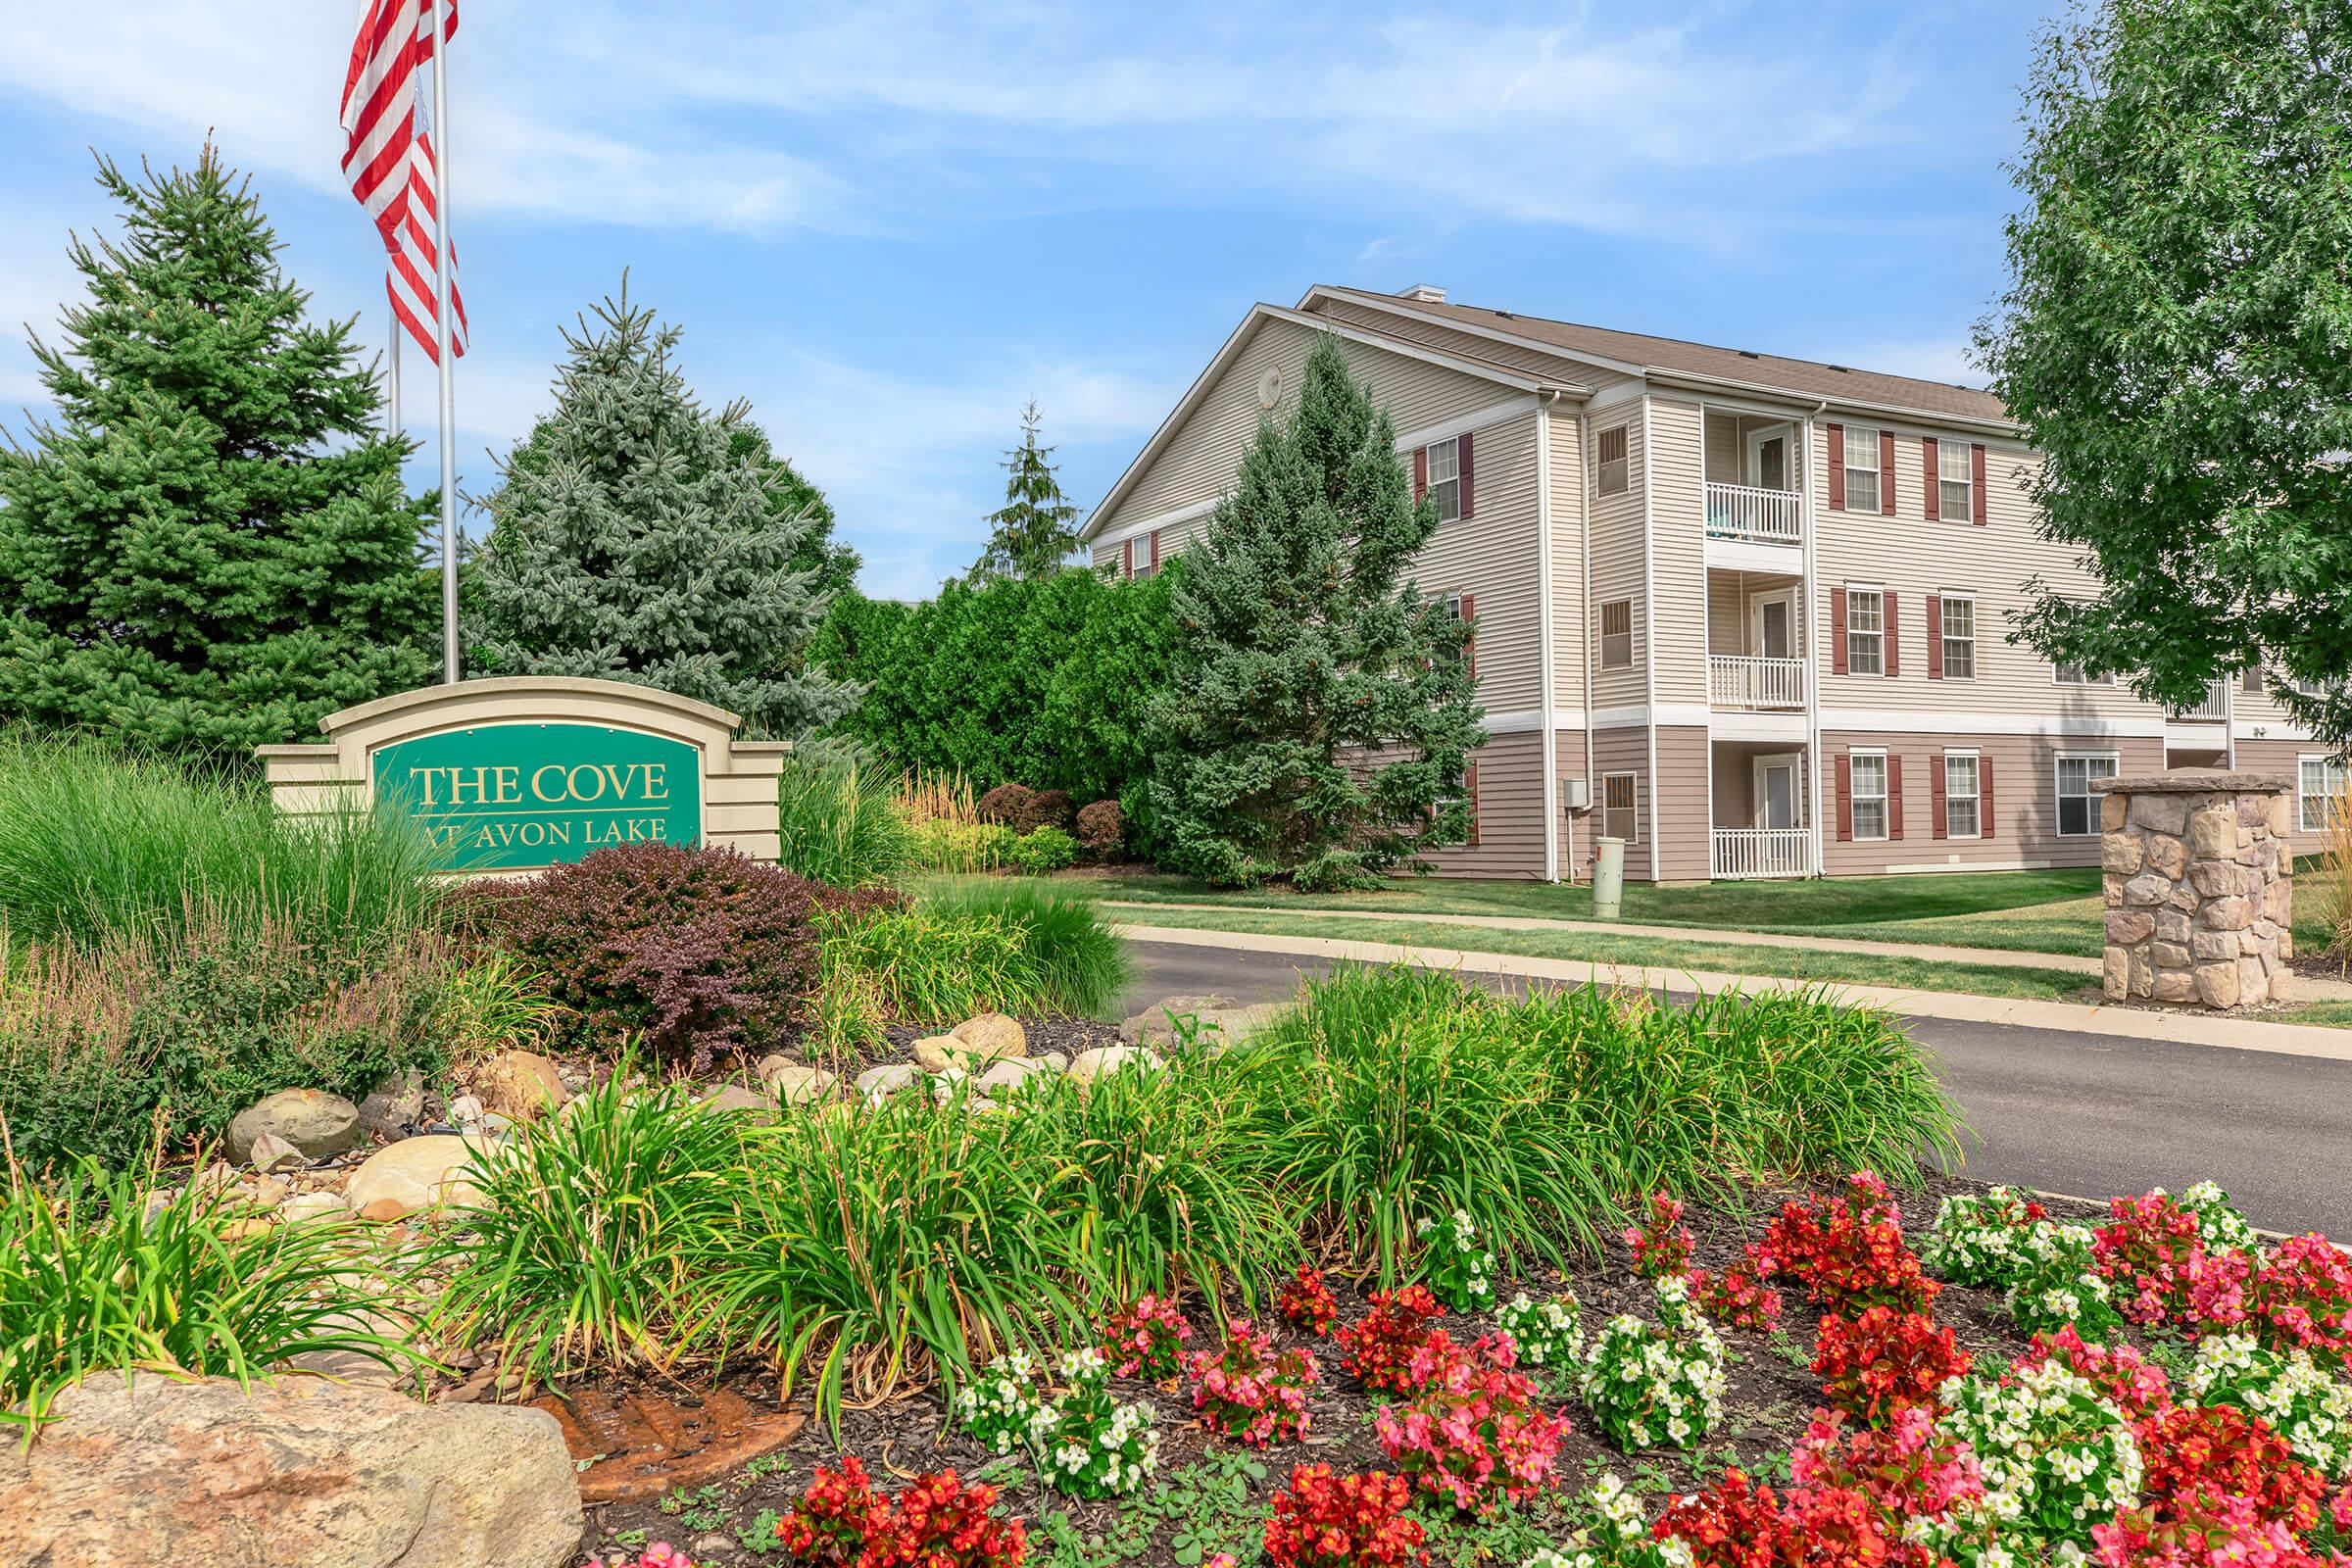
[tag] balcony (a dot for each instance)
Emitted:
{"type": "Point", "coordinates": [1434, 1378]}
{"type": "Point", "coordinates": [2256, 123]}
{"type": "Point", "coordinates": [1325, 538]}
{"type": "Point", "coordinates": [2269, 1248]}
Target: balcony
{"type": "Point", "coordinates": [1750, 685]}
{"type": "Point", "coordinates": [1755, 515]}
{"type": "Point", "coordinates": [1761, 854]}
{"type": "Point", "coordinates": [2213, 710]}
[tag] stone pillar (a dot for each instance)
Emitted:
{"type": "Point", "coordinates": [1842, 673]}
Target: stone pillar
{"type": "Point", "coordinates": [2199, 886]}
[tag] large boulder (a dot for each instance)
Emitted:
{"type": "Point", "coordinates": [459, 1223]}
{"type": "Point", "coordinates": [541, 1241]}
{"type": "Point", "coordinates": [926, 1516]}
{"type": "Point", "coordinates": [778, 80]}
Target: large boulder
{"type": "Point", "coordinates": [989, 1037]}
{"type": "Point", "coordinates": [1103, 1061]}
{"type": "Point", "coordinates": [521, 1084]}
{"type": "Point", "coordinates": [395, 1107]}
{"type": "Point", "coordinates": [416, 1173]}
{"type": "Point", "coordinates": [303, 1473]}
{"type": "Point", "coordinates": [314, 1122]}
{"type": "Point", "coordinates": [1168, 1025]}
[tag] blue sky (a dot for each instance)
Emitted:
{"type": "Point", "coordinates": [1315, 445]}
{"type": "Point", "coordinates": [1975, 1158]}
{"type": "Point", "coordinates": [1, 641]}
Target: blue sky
{"type": "Point", "coordinates": [889, 225]}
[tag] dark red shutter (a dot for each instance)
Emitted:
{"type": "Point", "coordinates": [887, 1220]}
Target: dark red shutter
{"type": "Point", "coordinates": [1891, 618]}
{"type": "Point", "coordinates": [1461, 448]}
{"type": "Point", "coordinates": [1837, 628]}
{"type": "Point", "coordinates": [1886, 473]}
{"type": "Point", "coordinates": [1985, 795]}
{"type": "Point", "coordinates": [1155, 549]}
{"type": "Point", "coordinates": [1127, 558]}
{"type": "Point", "coordinates": [1470, 630]}
{"type": "Point", "coordinates": [1845, 799]}
{"type": "Point", "coordinates": [1420, 474]}
{"type": "Point", "coordinates": [1936, 788]}
{"type": "Point", "coordinates": [1935, 633]}
{"type": "Point", "coordinates": [1470, 783]}
{"type": "Point", "coordinates": [1976, 481]}
{"type": "Point", "coordinates": [1929, 473]}
{"type": "Point", "coordinates": [1837, 471]}
{"type": "Point", "coordinates": [1894, 795]}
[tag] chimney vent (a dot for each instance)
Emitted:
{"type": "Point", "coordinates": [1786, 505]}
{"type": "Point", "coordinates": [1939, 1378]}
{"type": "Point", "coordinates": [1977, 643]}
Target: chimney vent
{"type": "Point", "coordinates": [1428, 293]}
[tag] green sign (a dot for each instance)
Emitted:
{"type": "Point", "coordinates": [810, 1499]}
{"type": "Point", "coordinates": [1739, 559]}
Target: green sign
{"type": "Point", "coordinates": [512, 796]}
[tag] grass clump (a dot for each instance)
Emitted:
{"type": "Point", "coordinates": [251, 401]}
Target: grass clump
{"type": "Point", "coordinates": [97, 1275]}
{"type": "Point", "coordinates": [839, 822]}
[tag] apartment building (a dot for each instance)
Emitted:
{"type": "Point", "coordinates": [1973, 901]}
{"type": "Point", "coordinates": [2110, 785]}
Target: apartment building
{"type": "Point", "coordinates": [1746, 612]}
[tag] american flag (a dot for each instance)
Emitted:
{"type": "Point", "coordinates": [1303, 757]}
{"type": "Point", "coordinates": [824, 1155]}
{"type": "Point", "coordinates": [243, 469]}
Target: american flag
{"type": "Point", "coordinates": [389, 157]}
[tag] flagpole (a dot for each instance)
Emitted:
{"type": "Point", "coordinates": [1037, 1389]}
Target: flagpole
{"type": "Point", "coordinates": [442, 264]}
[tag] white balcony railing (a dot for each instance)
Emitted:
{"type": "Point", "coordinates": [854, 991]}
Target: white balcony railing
{"type": "Point", "coordinates": [2216, 704]}
{"type": "Point", "coordinates": [1748, 512]}
{"type": "Point", "coordinates": [1758, 854]}
{"type": "Point", "coordinates": [1755, 684]}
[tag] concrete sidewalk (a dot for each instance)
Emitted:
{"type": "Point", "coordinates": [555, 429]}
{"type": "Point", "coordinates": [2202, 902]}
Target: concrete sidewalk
{"type": "Point", "coordinates": [2307, 988]}
{"type": "Point", "coordinates": [2130, 1023]}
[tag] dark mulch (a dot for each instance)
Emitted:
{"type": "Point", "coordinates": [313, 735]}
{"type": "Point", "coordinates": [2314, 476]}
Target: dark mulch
{"type": "Point", "coordinates": [1069, 1036]}
{"type": "Point", "coordinates": [1770, 1396]}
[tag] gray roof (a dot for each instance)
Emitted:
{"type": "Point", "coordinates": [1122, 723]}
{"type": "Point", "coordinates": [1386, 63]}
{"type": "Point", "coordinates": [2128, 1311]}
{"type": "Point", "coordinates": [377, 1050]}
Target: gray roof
{"type": "Point", "coordinates": [1806, 379]}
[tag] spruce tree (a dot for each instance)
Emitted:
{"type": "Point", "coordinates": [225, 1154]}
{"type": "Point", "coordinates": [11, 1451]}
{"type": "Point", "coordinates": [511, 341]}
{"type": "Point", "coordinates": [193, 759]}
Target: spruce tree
{"type": "Point", "coordinates": [1319, 707]}
{"type": "Point", "coordinates": [1034, 532]}
{"type": "Point", "coordinates": [210, 549]}
{"type": "Point", "coordinates": [635, 535]}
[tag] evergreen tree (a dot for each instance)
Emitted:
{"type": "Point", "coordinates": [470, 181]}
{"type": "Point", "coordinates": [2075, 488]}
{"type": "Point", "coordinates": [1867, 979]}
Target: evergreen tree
{"type": "Point", "coordinates": [635, 535]}
{"type": "Point", "coordinates": [832, 566]}
{"type": "Point", "coordinates": [1319, 707]}
{"type": "Point", "coordinates": [1034, 532]}
{"type": "Point", "coordinates": [210, 549]}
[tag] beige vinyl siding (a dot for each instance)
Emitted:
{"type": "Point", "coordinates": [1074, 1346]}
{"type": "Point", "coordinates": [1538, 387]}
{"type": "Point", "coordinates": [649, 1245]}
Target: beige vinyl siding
{"type": "Point", "coordinates": [1914, 557]}
{"type": "Point", "coordinates": [1679, 577]}
{"type": "Point", "coordinates": [1510, 812]}
{"type": "Point", "coordinates": [1473, 345]}
{"type": "Point", "coordinates": [1618, 548]}
{"type": "Point", "coordinates": [1108, 555]}
{"type": "Point", "coordinates": [1571, 602]}
{"type": "Point", "coordinates": [1199, 460]}
{"type": "Point", "coordinates": [2025, 799]}
{"type": "Point", "coordinates": [1684, 846]}
{"type": "Point", "coordinates": [1491, 555]}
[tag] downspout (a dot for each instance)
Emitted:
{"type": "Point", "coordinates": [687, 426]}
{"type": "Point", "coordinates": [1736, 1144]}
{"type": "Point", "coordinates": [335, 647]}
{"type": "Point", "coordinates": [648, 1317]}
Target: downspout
{"type": "Point", "coordinates": [1583, 616]}
{"type": "Point", "coordinates": [1815, 763]}
{"type": "Point", "coordinates": [1649, 638]}
{"type": "Point", "coordinates": [1550, 704]}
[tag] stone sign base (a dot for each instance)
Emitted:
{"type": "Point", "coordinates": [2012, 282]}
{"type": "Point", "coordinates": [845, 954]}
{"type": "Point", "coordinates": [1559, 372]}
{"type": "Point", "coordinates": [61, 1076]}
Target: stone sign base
{"type": "Point", "coordinates": [2199, 888]}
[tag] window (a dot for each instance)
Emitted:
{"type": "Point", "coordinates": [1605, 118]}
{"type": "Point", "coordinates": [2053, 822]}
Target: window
{"type": "Point", "coordinates": [1446, 479]}
{"type": "Point", "coordinates": [1961, 820]}
{"type": "Point", "coordinates": [1457, 647]}
{"type": "Point", "coordinates": [1953, 474]}
{"type": "Point", "coordinates": [1959, 638]}
{"type": "Point", "coordinates": [1869, 770]}
{"type": "Point", "coordinates": [1865, 633]}
{"type": "Point", "coordinates": [1146, 557]}
{"type": "Point", "coordinates": [2077, 807]}
{"type": "Point", "coordinates": [2075, 675]}
{"type": "Point", "coordinates": [1617, 634]}
{"type": "Point", "coordinates": [2319, 783]}
{"type": "Point", "coordinates": [1861, 468]}
{"type": "Point", "coordinates": [1620, 813]}
{"type": "Point", "coordinates": [1612, 461]}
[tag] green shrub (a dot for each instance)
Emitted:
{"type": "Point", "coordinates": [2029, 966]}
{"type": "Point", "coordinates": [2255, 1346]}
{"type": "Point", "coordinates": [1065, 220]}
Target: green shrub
{"type": "Point", "coordinates": [94, 844]}
{"type": "Point", "coordinates": [106, 1046]}
{"type": "Point", "coordinates": [839, 824]}
{"type": "Point", "coordinates": [92, 1281]}
{"type": "Point", "coordinates": [1044, 849]}
{"type": "Point", "coordinates": [693, 951]}
{"type": "Point", "coordinates": [959, 849]}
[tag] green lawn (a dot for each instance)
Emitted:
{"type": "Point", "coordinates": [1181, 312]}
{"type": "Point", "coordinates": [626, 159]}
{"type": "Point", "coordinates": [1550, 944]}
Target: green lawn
{"type": "Point", "coordinates": [2021, 911]}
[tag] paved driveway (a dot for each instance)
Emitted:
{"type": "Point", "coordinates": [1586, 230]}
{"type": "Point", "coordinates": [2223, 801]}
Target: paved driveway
{"type": "Point", "coordinates": [2087, 1115]}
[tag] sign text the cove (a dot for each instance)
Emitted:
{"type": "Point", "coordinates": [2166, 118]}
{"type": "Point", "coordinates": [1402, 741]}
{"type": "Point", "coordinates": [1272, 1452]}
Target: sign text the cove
{"type": "Point", "coordinates": [505, 796]}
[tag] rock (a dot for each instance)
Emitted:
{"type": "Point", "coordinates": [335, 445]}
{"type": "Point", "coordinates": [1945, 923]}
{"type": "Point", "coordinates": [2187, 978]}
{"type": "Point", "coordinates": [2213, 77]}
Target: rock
{"type": "Point", "coordinates": [1010, 1076]}
{"type": "Point", "coordinates": [879, 1083]}
{"type": "Point", "coordinates": [2213, 944]}
{"type": "Point", "coordinates": [304, 1473]}
{"type": "Point", "coordinates": [271, 1152]}
{"type": "Point", "coordinates": [797, 1085]}
{"type": "Point", "coordinates": [2122, 854]}
{"type": "Point", "coordinates": [736, 1097]}
{"type": "Point", "coordinates": [2127, 927]}
{"type": "Point", "coordinates": [1131, 1031]}
{"type": "Point", "coordinates": [521, 1084]}
{"type": "Point", "coordinates": [305, 1207]}
{"type": "Point", "coordinates": [2164, 814]}
{"type": "Point", "coordinates": [268, 1192]}
{"type": "Point", "coordinates": [2217, 984]}
{"type": "Point", "coordinates": [2227, 914]}
{"type": "Point", "coordinates": [417, 1173]}
{"type": "Point", "coordinates": [312, 1121]}
{"type": "Point", "coordinates": [1103, 1061]}
{"type": "Point", "coordinates": [2174, 984]}
{"type": "Point", "coordinates": [2217, 879]}
{"type": "Point", "coordinates": [2213, 832]}
{"type": "Point", "coordinates": [466, 1111]}
{"type": "Point", "coordinates": [1056, 1061]}
{"type": "Point", "coordinates": [936, 1052]}
{"type": "Point", "coordinates": [2167, 855]}
{"type": "Point", "coordinates": [944, 1081]}
{"type": "Point", "coordinates": [2115, 973]}
{"type": "Point", "coordinates": [990, 1037]}
{"type": "Point", "coordinates": [2113, 809]}
{"type": "Point", "coordinates": [393, 1108]}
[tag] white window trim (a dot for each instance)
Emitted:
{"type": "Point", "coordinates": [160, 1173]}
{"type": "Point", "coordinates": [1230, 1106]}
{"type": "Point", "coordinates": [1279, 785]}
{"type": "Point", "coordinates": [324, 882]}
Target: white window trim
{"type": "Point", "coordinates": [1633, 789]}
{"type": "Point", "coordinates": [1880, 594]}
{"type": "Point", "coordinates": [1945, 448]}
{"type": "Point", "coordinates": [2058, 797]}
{"type": "Point", "coordinates": [1878, 468]}
{"type": "Point", "coordinates": [2303, 801]}
{"type": "Point", "coordinates": [1973, 754]}
{"type": "Point", "coordinates": [1624, 461]}
{"type": "Point", "coordinates": [1600, 622]}
{"type": "Point", "coordinates": [1885, 797]}
{"type": "Point", "coordinates": [2058, 679]}
{"type": "Point", "coordinates": [1944, 654]}
{"type": "Point", "coordinates": [1451, 446]}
